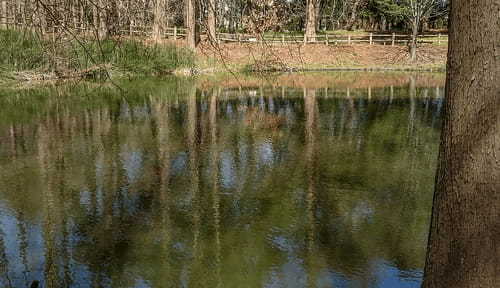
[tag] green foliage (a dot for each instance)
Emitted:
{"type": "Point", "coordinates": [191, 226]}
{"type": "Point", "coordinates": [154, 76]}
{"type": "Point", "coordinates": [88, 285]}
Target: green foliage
{"type": "Point", "coordinates": [133, 56]}
{"type": "Point", "coordinates": [21, 51]}
{"type": "Point", "coordinates": [389, 9]}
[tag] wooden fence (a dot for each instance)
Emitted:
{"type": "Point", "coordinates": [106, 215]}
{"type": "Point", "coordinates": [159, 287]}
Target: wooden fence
{"type": "Point", "coordinates": [324, 38]}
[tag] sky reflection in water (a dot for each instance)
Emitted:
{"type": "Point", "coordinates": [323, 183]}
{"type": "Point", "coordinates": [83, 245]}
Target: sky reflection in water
{"type": "Point", "coordinates": [183, 187]}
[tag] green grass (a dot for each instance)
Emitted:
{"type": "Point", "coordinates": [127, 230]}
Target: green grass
{"type": "Point", "coordinates": [21, 51]}
{"type": "Point", "coordinates": [133, 56]}
{"type": "Point", "coordinates": [26, 51]}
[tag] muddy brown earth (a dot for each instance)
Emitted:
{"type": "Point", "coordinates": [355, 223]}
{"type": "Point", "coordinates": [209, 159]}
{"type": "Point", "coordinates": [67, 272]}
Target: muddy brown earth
{"type": "Point", "coordinates": [321, 56]}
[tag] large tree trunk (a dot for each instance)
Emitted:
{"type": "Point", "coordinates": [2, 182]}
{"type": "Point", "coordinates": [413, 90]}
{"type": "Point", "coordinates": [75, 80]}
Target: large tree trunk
{"type": "Point", "coordinates": [463, 248]}
{"type": "Point", "coordinates": [159, 19]}
{"type": "Point", "coordinates": [311, 19]}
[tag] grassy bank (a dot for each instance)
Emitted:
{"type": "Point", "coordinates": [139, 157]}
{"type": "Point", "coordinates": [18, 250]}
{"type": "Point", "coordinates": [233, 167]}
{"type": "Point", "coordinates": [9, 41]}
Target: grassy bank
{"type": "Point", "coordinates": [25, 55]}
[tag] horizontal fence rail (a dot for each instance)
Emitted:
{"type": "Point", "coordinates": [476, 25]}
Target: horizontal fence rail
{"type": "Point", "coordinates": [384, 39]}
{"type": "Point", "coordinates": [330, 38]}
{"type": "Point", "coordinates": [322, 38]}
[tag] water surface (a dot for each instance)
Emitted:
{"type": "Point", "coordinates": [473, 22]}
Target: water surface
{"type": "Point", "coordinates": [162, 184]}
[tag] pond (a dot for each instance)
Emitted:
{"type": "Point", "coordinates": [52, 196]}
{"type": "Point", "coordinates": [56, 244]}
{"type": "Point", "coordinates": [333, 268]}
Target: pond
{"type": "Point", "coordinates": [177, 183]}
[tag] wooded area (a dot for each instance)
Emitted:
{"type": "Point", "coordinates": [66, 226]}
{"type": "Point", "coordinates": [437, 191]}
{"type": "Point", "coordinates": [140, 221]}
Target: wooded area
{"type": "Point", "coordinates": [122, 17]}
{"type": "Point", "coordinates": [463, 245]}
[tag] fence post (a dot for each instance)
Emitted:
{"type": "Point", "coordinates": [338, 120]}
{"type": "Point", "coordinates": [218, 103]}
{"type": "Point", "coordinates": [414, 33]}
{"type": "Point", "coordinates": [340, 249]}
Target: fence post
{"type": "Point", "coordinates": [371, 38]}
{"type": "Point", "coordinates": [305, 39]}
{"type": "Point", "coordinates": [439, 38]}
{"type": "Point", "coordinates": [393, 38]}
{"type": "Point", "coordinates": [349, 39]}
{"type": "Point", "coordinates": [283, 39]}
{"type": "Point", "coordinates": [326, 41]}
{"type": "Point", "coordinates": [175, 32]}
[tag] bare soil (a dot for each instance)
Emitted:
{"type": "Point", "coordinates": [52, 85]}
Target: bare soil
{"type": "Point", "coordinates": [321, 56]}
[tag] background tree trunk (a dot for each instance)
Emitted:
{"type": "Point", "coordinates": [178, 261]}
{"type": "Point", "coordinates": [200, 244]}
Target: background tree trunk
{"type": "Point", "coordinates": [14, 7]}
{"type": "Point", "coordinates": [354, 10]}
{"type": "Point", "coordinates": [159, 20]}
{"type": "Point", "coordinates": [191, 24]}
{"type": "Point", "coordinates": [95, 17]}
{"type": "Point", "coordinates": [413, 41]}
{"type": "Point", "coordinates": [74, 14]}
{"type": "Point", "coordinates": [318, 13]}
{"type": "Point", "coordinates": [4, 14]}
{"type": "Point", "coordinates": [463, 248]}
{"type": "Point", "coordinates": [211, 20]}
{"type": "Point", "coordinates": [101, 10]}
{"type": "Point", "coordinates": [311, 19]}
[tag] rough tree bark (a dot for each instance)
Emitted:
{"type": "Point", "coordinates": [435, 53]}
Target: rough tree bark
{"type": "Point", "coordinates": [158, 20]}
{"type": "Point", "coordinates": [211, 19]}
{"type": "Point", "coordinates": [192, 36]}
{"type": "Point", "coordinates": [311, 19]}
{"type": "Point", "coordinates": [463, 248]}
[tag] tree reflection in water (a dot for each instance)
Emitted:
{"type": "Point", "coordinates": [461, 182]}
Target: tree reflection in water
{"type": "Point", "coordinates": [172, 185]}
